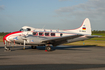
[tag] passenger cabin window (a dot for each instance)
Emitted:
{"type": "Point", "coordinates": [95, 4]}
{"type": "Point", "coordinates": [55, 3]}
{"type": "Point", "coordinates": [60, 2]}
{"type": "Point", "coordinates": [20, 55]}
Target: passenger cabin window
{"type": "Point", "coordinates": [34, 33]}
{"type": "Point", "coordinates": [40, 33]}
{"type": "Point", "coordinates": [52, 34]}
{"type": "Point", "coordinates": [28, 29]}
{"type": "Point", "coordinates": [61, 34]}
{"type": "Point", "coordinates": [46, 34]}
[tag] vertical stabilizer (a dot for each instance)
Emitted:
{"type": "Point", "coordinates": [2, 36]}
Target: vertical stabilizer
{"type": "Point", "coordinates": [85, 28]}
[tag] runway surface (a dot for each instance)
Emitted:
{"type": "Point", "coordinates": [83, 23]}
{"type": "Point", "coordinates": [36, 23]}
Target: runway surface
{"type": "Point", "coordinates": [63, 58]}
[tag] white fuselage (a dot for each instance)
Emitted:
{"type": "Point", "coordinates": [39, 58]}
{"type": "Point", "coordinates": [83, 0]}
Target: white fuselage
{"type": "Point", "coordinates": [84, 29]}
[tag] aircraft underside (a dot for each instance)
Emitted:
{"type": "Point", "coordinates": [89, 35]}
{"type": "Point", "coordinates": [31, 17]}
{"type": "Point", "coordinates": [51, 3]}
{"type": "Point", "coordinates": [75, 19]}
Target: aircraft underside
{"type": "Point", "coordinates": [33, 45]}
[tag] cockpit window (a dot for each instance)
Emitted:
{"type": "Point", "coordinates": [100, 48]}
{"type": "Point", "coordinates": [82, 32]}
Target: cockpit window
{"type": "Point", "coordinates": [28, 29]}
{"type": "Point", "coordinates": [21, 29]}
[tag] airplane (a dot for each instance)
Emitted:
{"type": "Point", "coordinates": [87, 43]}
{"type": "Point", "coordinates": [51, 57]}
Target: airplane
{"type": "Point", "coordinates": [48, 37]}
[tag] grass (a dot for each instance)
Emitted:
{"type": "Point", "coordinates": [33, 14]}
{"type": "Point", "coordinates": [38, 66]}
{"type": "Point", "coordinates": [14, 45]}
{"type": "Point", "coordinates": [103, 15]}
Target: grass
{"type": "Point", "coordinates": [100, 41]}
{"type": "Point", "coordinates": [102, 34]}
{"type": "Point", "coordinates": [1, 38]}
{"type": "Point", "coordinates": [98, 38]}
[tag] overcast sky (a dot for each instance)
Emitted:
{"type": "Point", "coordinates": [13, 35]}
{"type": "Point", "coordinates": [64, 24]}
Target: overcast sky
{"type": "Point", "coordinates": [51, 14]}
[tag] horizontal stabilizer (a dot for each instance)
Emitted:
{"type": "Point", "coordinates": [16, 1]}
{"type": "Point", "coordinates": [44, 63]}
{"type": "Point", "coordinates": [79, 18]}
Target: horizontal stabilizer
{"type": "Point", "coordinates": [92, 36]}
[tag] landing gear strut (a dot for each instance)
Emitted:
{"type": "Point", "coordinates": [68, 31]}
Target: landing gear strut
{"type": "Point", "coordinates": [24, 44]}
{"type": "Point", "coordinates": [5, 47]}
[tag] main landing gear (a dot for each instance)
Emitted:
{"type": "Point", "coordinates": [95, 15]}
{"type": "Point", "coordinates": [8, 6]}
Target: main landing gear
{"type": "Point", "coordinates": [33, 47]}
{"type": "Point", "coordinates": [48, 47]}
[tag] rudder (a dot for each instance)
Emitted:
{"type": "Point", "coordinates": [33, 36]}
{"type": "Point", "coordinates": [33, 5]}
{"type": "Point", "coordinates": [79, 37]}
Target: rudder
{"type": "Point", "coordinates": [86, 27]}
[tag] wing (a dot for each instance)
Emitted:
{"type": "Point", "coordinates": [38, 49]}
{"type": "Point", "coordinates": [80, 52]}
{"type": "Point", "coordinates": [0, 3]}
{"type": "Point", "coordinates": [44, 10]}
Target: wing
{"type": "Point", "coordinates": [60, 40]}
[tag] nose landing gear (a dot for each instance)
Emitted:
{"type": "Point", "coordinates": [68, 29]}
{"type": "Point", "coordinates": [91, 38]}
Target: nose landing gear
{"type": "Point", "coordinates": [5, 47]}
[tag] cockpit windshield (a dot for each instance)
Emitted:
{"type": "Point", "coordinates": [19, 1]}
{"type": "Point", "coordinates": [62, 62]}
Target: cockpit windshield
{"type": "Point", "coordinates": [21, 30]}
{"type": "Point", "coordinates": [27, 29]}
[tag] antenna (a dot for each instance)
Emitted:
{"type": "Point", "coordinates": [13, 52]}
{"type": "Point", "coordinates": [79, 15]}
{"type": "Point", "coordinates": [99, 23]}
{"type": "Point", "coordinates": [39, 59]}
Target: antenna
{"type": "Point", "coordinates": [43, 26]}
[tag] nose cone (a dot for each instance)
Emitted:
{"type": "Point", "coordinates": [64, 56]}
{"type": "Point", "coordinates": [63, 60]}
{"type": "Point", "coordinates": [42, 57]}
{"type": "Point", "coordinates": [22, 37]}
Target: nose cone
{"type": "Point", "coordinates": [10, 36]}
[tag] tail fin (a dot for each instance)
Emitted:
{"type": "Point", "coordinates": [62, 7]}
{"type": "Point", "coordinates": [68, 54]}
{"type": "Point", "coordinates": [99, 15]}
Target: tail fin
{"type": "Point", "coordinates": [85, 28]}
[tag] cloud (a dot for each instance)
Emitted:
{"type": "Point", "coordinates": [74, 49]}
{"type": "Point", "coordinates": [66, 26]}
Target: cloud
{"type": "Point", "coordinates": [93, 9]}
{"type": "Point", "coordinates": [2, 7]}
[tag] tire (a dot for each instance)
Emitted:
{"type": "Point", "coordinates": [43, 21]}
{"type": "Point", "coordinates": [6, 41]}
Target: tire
{"type": "Point", "coordinates": [48, 48]}
{"type": "Point", "coordinates": [33, 47]}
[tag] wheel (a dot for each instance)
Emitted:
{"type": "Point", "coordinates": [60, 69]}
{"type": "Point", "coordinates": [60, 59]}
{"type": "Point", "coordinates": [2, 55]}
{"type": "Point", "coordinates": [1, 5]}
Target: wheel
{"type": "Point", "coordinates": [48, 48]}
{"type": "Point", "coordinates": [8, 48]}
{"type": "Point", "coordinates": [33, 47]}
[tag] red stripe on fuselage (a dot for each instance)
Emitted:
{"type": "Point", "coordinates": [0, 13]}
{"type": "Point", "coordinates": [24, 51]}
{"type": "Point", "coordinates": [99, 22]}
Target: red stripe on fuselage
{"type": "Point", "coordinates": [4, 38]}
